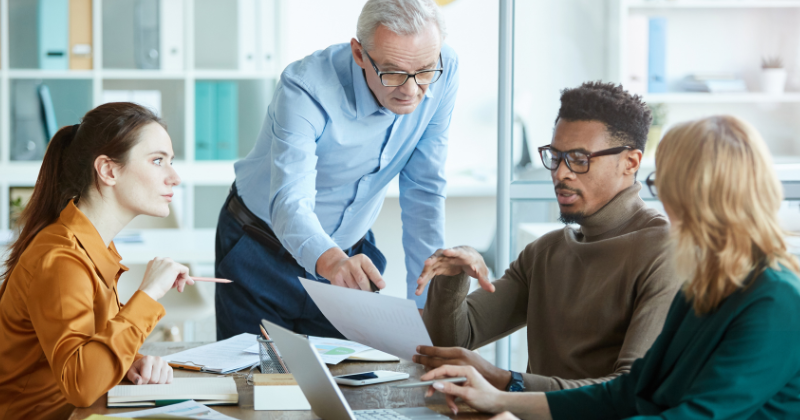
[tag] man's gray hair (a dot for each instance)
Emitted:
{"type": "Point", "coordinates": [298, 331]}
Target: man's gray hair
{"type": "Point", "coordinates": [403, 17]}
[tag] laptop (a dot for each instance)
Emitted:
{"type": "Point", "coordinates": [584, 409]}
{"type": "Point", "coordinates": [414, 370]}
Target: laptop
{"type": "Point", "coordinates": [317, 384]}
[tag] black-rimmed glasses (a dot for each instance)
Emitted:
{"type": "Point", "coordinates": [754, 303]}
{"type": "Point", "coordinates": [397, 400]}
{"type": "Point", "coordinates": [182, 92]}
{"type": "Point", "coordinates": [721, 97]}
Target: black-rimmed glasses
{"type": "Point", "coordinates": [577, 161]}
{"type": "Point", "coordinates": [399, 78]}
{"type": "Point", "coordinates": [651, 184]}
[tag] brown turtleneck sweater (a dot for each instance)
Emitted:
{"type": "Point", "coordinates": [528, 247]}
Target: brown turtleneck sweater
{"type": "Point", "coordinates": [594, 300]}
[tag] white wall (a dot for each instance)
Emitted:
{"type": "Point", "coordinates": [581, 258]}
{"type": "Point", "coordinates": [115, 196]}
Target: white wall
{"type": "Point", "coordinates": [310, 25]}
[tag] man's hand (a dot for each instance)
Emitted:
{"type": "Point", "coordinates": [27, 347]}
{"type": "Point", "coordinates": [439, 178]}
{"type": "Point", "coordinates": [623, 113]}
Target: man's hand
{"type": "Point", "coordinates": [452, 261]}
{"type": "Point", "coordinates": [150, 370]}
{"type": "Point", "coordinates": [434, 357]}
{"type": "Point", "coordinates": [352, 272]}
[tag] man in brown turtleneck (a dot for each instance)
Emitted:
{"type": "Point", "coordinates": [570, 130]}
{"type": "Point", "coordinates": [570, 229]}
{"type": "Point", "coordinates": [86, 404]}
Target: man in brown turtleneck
{"type": "Point", "coordinates": [594, 299]}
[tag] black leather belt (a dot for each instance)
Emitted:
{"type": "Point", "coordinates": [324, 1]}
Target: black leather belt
{"type": "Point", "coordinates": [257, 228]}
{"type": "Point", "coordinates": [252, 224]}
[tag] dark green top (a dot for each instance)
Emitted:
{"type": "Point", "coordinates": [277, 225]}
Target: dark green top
{"type": "Point", "coordinates": [741, 361]}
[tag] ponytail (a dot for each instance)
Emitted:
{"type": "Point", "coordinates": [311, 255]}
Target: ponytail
{"type": "Point", "coordinates": [68, 166]}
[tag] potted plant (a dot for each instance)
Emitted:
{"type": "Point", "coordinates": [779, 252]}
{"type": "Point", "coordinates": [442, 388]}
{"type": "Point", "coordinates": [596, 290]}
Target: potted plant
{"type": "Point", "coordinates": [773, 75]}
{"type": "Point", "coordinates": [659, 112]}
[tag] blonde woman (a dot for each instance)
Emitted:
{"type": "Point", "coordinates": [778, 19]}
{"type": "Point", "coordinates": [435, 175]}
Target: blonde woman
{"type": "Point", "coordinates": [730, 347]}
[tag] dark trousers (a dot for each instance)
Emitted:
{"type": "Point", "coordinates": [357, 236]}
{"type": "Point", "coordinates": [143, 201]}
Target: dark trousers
{"type": "Point", "coordinates": [265, 283]}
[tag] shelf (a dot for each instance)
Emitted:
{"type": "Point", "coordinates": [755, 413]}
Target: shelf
{"type": "Point", "coordinates": [719, 4]}
{"type": "Point", "coordinates": [231, 75]}
{"type": "Point", "coordinates": [49, 74]}
{"type": "Point", "coordinates": [141, 74]}
{"type": "Point", "coordinates": [718, 98]}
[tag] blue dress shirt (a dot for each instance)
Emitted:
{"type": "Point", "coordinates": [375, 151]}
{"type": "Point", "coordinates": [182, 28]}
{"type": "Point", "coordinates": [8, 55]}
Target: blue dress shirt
{"type": "Point", "coordinates": [319, 171]}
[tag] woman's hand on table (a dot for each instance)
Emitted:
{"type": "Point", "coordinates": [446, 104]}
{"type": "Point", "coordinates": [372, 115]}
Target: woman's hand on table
{"type": "Point", "coordinates": [150, 370]}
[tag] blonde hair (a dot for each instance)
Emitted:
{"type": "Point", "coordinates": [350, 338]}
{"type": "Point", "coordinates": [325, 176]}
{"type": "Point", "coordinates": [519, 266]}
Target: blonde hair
{"type": "Point", "coordinates": [717, 181]}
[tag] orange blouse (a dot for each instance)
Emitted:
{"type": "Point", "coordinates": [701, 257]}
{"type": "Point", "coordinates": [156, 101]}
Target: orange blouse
{"type": "Point", "coordinates": [65, 339]}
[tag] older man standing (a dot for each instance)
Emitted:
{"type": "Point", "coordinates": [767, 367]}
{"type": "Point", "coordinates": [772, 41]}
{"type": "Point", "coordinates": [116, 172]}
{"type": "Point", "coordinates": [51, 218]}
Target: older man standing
{"type": "Point", "coordinates": [343, 122]}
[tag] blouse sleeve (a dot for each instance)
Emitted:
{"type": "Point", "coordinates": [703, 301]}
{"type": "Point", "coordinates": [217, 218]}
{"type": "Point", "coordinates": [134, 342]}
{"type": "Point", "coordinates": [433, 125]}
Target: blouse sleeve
{"type": "Point", "coordinates": [85, 363]}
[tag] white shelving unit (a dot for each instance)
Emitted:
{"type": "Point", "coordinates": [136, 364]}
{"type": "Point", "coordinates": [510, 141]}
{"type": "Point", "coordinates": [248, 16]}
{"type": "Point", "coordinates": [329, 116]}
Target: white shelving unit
{"type": "Point", "coordinates": [725, 36]}
{"type": "Point", "coordinates": [193, 173]}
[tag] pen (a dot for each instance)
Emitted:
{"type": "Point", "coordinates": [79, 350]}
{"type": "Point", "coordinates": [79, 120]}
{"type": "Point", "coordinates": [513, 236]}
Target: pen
{"type": "Point", "coordinates": [456, 380]}
{"type": "Point", "coordinates": [211, 280]}
{"type": "Point", "coordinates": [162, 403]}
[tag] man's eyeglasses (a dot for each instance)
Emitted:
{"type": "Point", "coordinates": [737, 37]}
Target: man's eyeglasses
{"type": "Point", "coordinates": [651, 184]}
{"type": "Point", "coordinates": [577, 161]}
{"type": "Point", "coordinates": [399, 78]}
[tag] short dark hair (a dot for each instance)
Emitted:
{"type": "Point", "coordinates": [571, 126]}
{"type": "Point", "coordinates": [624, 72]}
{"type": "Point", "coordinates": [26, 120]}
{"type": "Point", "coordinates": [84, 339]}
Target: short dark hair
{"type": "Point", "coordinates": [626, 117]}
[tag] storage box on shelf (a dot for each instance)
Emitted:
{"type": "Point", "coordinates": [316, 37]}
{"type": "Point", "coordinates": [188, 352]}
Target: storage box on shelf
{"type": "Point", "coordinates": [723, 41]}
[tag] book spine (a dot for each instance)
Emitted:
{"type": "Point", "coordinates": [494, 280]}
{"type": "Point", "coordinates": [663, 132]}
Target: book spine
{"type": "Point", "coordinates": [246, 10]}
{"type": "Point", "coordinates": [146, 36]}
{"type": "Point", "coordinates": [171, 33]}
{"type": "Point", "coordinates": [53, 22]}
{"type": "Point", "coordinates": [657, 61]}
{"type": "Point", "coordinates": [267, 52]}
{"type": "Point", "coordinates": [638, 38]}
{"type": "Point", "coordinates": [48, 112]}
{"type": "Point", "coordinates": [205, 120]}
{"type": "Point", "coordinates": [80, 34]}
{"type": "Point", "coordinates": [227, 124]}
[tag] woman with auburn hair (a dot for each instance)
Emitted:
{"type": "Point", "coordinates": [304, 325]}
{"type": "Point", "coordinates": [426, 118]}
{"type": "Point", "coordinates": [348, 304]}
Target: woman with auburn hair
{"type": "Point", "coordinates": [730, 347]}
{"type": "Point", "coordinates": [65, 339]}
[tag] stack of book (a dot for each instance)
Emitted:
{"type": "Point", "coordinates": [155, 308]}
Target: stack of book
{"type": "Point", "coordinates": [714, 83]}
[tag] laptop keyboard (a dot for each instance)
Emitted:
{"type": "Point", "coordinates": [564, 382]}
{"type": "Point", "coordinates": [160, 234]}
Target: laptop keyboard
{"type": "Point", "coordinates": [379, 415]}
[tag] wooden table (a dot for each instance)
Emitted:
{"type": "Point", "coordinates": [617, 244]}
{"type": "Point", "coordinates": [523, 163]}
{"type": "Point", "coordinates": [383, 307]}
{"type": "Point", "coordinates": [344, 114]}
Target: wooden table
{"type": "Point", "coordinates": [359, 398]}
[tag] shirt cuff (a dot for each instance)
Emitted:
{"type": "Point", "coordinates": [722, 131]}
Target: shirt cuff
{"type": "Point", "coordinates": [143, 312]}
{"type": "Point", "coordinates": [312, 249]}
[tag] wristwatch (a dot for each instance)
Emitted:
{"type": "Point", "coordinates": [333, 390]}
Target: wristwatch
{"type": "Point", "coordinates": [515, 384]}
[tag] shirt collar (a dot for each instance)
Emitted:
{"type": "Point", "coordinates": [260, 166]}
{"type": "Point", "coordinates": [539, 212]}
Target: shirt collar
{"type": "Point", "coordinates": [618, 211]}
{"type": "Point", "coordinates": [106, 259]}
{"type": "Point", "coordinates": [366, 104]}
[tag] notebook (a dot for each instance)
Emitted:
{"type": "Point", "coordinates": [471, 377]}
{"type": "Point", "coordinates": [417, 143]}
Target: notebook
{"type": "Point", "coordinates": [223, 357]}
{"type": "Point", "coordinates": [208, 391]}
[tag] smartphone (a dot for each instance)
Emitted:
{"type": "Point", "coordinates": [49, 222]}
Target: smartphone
{"type": "Point", "coordinates": [368, 378]}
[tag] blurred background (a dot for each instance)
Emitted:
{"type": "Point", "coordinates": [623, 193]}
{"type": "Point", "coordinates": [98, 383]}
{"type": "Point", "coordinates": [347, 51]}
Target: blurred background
{"type": "Point", "coordinates": [209, 67]}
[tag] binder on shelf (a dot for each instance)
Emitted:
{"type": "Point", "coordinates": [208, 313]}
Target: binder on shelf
{"type": "Point", "coordinates": [48, 112]}
{"type": "Point", "coordinates": [267, 56]}
{"type": "Point", "coordinates": [53, 28]}
{"type": "Point", "coordinates": [246, 12]}
{"type": "Point", "coordinates": [205, 120]}
{"type": "Point", "coordinates": [227, 112]}
{"type": "Point", "coordinates": [657, 55]}
{"type": "Point", "coordinates": [28, 138]}
{"type": "Point", "coordinates": [638, 38]}
{"type": "Point", "coordinates": [150, 99]}
{"type": "Point", "coordinates": [80, 34]}
{"type": "Point", "coordinates": [145, 36]}
{"type": "Point", "coordinates": [171, 34]}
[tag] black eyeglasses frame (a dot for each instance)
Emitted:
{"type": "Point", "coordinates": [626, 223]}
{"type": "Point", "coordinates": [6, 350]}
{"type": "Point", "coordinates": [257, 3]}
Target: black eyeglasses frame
{"type": "Point", "coordinates": [439, 71]}
{"type": "Point", "coordinates": [562, 156]}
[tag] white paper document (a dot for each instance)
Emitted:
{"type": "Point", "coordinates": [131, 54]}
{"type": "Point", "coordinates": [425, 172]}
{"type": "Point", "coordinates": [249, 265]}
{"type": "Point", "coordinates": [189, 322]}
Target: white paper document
{"type": "Point", "coordinates": [386, 323]}
{"type": "Point", "coordinates": [221, 357]}
{"type": "Point", "coordinates": [184, 410]}
{"type": "Point", "coordinates": [333, 351]}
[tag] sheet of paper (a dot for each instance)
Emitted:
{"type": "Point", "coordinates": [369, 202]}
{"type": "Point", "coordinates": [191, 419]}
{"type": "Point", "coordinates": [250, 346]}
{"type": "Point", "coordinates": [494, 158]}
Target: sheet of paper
{"type": "Point", "coordinates": [184, 410]}
{"type": "Point", "coordinates": [220, 357]}
{"type": "Point", "coordinates": [333, 351]}
{"type": "Point", "coordinates": [373, 356]}
{"type": "Point", "coordinates": [386, 323]}
{"type": "Point", "coordinates": [179, 386]}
